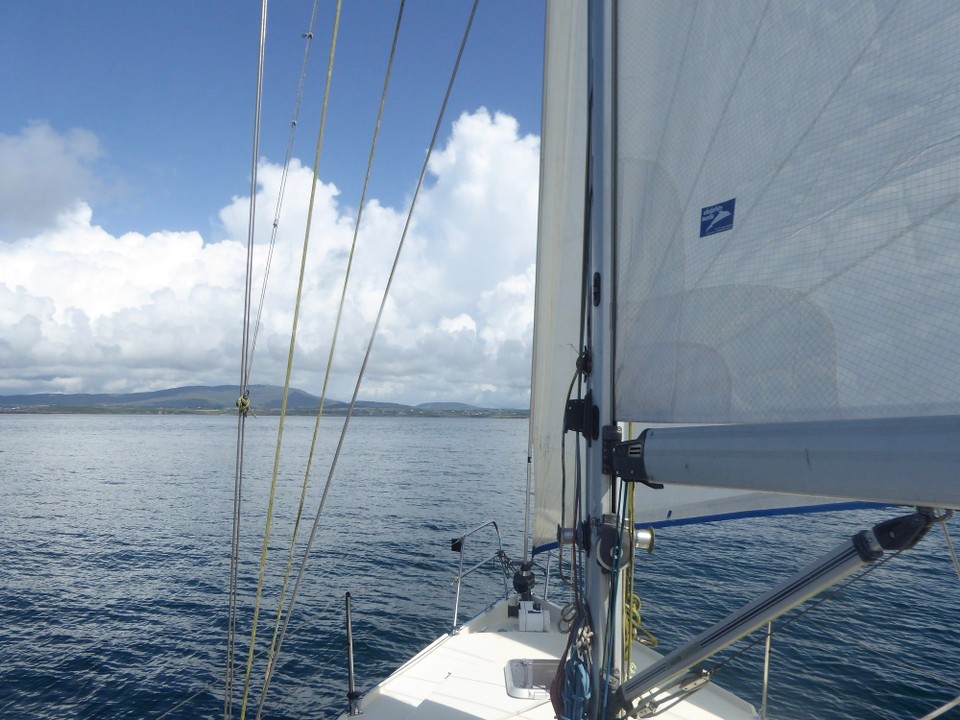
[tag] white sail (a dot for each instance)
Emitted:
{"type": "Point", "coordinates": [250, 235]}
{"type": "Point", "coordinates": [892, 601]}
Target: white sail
{"type": "Point", "coordinates": [787, 211]}
{"type": "Point", "coordinates": [559, 260]}
{"type": "Point", "coordinates": [786, 224]}
{"type": "Point", "coordinates": [740, 242]}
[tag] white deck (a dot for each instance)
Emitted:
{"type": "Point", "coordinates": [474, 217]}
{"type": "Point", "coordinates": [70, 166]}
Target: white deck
{"type": "Point", "coordinates": [461, 677]}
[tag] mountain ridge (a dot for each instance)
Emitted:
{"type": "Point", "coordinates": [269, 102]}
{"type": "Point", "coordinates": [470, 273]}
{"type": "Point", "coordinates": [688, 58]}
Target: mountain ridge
{"type": "Point", "coordinates": [221, 399]}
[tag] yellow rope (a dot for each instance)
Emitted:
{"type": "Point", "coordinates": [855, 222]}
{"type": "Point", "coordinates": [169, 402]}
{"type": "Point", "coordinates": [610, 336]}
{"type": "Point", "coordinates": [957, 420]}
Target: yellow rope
{"type": "Point", "coordinates": [628, 632]}
{"type": "Point", "coordinates": [272, 658]}
{"type": "Point", "coordinates": [243, 404]}
{"type": "Point", "coordinates": [635, 622]}
{"type": "Point", "coordinates": [286, 385]}
{"type": "Point", "coordinates": [373, 335]}
{"type": "Point", "coordinates": [633, 630]}
{"type": "Point", "coordinates": [275, 645]}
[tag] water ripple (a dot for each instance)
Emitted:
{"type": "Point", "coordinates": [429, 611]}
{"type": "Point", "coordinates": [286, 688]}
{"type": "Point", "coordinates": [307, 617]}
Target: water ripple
{"type": "Point", "coordinates": [114, 545]}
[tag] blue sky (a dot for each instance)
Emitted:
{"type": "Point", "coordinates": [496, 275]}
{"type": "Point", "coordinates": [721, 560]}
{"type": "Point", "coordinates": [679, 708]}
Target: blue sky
{"type": "Point", "coordinates": [168, 88]}
{"type": "Point", "coordinates": [125, 152]}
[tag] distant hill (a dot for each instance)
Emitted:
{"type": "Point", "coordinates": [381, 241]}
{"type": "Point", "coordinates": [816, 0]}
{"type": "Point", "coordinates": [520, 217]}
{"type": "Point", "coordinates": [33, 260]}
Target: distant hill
{"type": "Point", "coordinates": [191, 398]}
{"type": "Point", "coordinates": [266, 399]}
{"type": "Point", "coordinates": [461, 407]}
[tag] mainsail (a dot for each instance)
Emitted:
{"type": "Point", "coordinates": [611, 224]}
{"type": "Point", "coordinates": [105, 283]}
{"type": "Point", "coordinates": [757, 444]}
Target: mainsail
{"type": "Point", "coordinates": [785, 229]}
{"type": "Point", "coordinates": [829, 135]}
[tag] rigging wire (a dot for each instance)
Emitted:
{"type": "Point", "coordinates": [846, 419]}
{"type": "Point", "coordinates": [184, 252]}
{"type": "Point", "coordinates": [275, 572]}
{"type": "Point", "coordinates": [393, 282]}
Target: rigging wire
{"type": "Point", "coordinates": [308, 36]}
{"type": "Point", "coordinates": [286, 386]}
{"type": "Point", "coordinates": [581, 368]}
{"type": "Point", "coordinates": [243, 402]}
{"type": "Point", "coordinates": [829, 595]}
{"type": "Point", "coordinates": [953, 552]}
{"type": "Point", "coordinates": [942, 709]}
{"type": "Point", "coordinates": [373, 335]}
{"type": "Point", "coordinates": [188, 700]}
{"type": "Point", "coordinates": [572, 687]}
{"type": "Point", "coordinates": [210, 686]}
{"type": "Point", "coordinates": [248, 353]}
{"type": "Point", "coordinates": [289, 372]}
{"type": "Point", "coordinates": [271, 659]}
{"type": "Point", "coordinates": [271, 663]}
{"type": "Point", "coordinates": [325, 655]}
{"type": "Point", "coordinates": [714, 669]}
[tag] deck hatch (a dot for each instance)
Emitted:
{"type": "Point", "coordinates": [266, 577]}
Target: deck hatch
{"type": "Point", "coordinates": [529, 679]}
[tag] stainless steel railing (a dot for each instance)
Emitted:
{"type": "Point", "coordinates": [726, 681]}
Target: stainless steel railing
{"type": "Point", "coordinates": [459, 545]}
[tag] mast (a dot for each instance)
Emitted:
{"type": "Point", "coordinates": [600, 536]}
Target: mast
{"type": "Point", "coordinates": [600, 486]}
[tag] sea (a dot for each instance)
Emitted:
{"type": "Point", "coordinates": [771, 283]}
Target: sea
{"type": "Point", "coordinates": [115, 538]}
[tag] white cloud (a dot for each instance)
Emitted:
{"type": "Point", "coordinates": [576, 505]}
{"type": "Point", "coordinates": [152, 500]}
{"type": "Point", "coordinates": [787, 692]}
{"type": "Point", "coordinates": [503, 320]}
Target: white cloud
{"type": "Point", "coordinates": [461, 323]}
{"type": "Point", "coordinates": [86, 311]}
{"type": "Point", "coordinates": [43, 174]}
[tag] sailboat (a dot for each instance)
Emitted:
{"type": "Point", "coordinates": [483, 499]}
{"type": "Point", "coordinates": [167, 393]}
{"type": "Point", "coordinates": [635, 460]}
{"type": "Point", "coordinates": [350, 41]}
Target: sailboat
{"type": "Point", "coordinates": [748, 280]}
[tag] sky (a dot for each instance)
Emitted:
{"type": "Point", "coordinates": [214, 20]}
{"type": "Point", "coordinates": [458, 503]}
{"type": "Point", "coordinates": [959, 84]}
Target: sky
{"type": "Point", "coordinates": [126, 150]}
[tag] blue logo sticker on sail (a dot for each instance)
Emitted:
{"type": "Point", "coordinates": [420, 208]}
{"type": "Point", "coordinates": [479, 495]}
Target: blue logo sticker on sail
{"type": "Point", "coordinates": [717, 218]}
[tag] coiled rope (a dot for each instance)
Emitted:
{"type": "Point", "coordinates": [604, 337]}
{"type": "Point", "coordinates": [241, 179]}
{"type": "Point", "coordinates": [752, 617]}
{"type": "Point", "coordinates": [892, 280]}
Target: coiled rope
{"type": "Point", "coordinates": [571, 688]}
{"type": "Point", "coordinates": [576, 673]}
{"type": "Point", "coordinates": [633, 630]}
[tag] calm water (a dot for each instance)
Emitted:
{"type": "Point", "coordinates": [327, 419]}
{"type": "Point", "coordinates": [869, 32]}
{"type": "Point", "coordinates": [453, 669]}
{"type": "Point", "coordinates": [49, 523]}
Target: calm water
{"type": "Point", "coordinates": [114, 551]}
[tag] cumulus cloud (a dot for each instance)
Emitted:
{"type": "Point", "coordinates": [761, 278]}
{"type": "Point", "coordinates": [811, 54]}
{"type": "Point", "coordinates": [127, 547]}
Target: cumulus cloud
{"type": "Point", "coordinates": [87, 311]}
{"type": "Point", "coordinates": [44, 174]}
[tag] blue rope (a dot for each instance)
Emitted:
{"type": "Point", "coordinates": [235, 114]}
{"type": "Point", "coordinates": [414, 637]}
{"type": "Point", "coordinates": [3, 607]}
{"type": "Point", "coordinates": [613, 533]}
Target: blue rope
{"type": "Point", "coordinates": [576, 688]}
{"type": "Point", "coordinates": [611, 619]}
